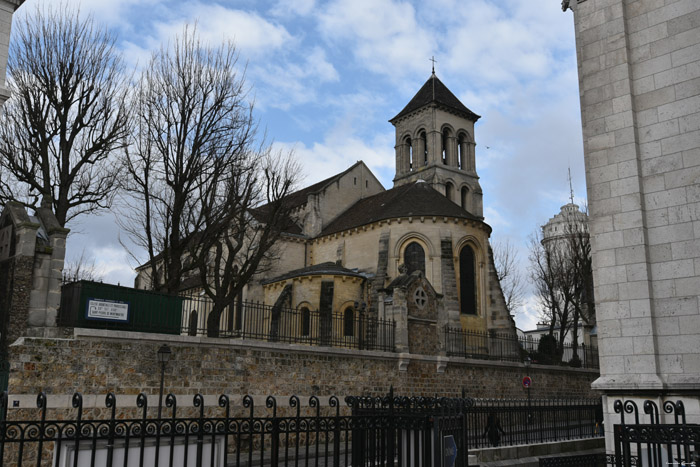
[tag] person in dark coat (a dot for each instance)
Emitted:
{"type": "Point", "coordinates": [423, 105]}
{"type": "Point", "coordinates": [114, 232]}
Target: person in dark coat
{"type": "Point", "coordinates": [493, 430]}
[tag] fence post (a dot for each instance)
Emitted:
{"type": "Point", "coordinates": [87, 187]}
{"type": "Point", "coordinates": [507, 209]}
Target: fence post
{"type": "Point", "coordinates": [334, 402]}
{"type": "Point", "coordinates": [271, 403]}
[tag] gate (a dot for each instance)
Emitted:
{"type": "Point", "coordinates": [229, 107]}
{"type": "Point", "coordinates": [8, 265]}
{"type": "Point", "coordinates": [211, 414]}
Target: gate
{"type": "Point", "coordinates": [409, 432]}
{"type": "Point", "coordinates": [655, 444]}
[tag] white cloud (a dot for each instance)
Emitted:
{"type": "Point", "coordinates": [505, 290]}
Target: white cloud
{"type": "Point", "coordinates": [290, 83]}
{"type": "Point", "coordinates": [284, 8]}
{"type": "Point", "coordinates": [529, 315]}
{"type": "Point", "coordinates": [338, 151]}
{"type": "Point", "coordinates": [384, 35]}
{"type": "Point", "coordinates": [252, 34]}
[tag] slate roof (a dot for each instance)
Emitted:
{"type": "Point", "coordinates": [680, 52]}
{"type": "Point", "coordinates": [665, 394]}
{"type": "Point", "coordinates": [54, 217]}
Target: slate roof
{"type": "Point", "coordinates": [410, 200]}
{"type": "Point", "coordinates": [434, 91]}
{"type": "Point", "coordinates": [328, 268]}
{"type": "Point", "coordinates": [299, 198]}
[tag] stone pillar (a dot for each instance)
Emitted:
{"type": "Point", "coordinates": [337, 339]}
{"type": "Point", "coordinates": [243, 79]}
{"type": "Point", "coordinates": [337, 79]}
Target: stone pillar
{"type": "Point", "coordinates": [398, 311]}
{"type": "Point", "coordinates": [472, 157]}
{"type": "Point", "coordinates": [45, 297]}
{"type": "Point", "coordinates": [434, 147]}
{"type": "Point", "coordinates": [452, 152]}
{"type": "Point", "coordinates": [449, 281]}
{"type": "Point", "coordinates": [398, 150]}
{"type": "Point", "coordinates": [418, 153]}
{"type": "Point", "coordinates": [641, 147]}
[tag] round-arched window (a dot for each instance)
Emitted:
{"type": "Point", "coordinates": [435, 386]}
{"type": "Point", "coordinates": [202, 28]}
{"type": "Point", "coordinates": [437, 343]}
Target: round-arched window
{"type": "Point", "coordinates": [414, 258]}
{"type": "Point", "coordinates": [305, 321]}
{"type": "Point", "coordinates": [467, 281]}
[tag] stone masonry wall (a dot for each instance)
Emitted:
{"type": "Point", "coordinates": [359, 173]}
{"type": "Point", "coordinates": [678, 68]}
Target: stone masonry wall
{"type": "Point", "coordinates": [92, 362]}
{"type": "Point", "coordinates": [15, 286]}
{"type": "Point", "coordinates": [639, 72]}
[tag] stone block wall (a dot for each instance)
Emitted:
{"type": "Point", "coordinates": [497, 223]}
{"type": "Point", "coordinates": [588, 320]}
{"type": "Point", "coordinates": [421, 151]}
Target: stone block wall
{"type": "Point", "coordinates": [95, 362]}
{"type": "Point", "coordinates": [639, 80]}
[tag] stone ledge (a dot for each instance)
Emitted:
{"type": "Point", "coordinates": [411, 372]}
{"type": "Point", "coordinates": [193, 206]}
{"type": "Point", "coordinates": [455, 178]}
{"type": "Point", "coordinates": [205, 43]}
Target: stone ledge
{"type": "Point", "coordinates": [439, 361]}
{"type": "Point", "coordinates": [507, 455]}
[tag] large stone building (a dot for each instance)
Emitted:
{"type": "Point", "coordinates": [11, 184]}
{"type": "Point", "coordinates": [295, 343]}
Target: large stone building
{"type": "Point", "coordinates": [351, 237]}
{"type": "Point", "coordinates": [7, 8]}
{"type": "Point", "coordinates": [639, 78]}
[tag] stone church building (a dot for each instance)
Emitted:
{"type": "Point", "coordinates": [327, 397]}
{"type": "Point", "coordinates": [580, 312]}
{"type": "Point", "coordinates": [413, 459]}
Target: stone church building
{"type": "Point", "coordinates": [417, 253]}
{"type": "Point", "coordinates": [421, 246]}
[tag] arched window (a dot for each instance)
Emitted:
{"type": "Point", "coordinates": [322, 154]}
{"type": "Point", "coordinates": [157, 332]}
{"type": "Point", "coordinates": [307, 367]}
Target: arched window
{"type": "Point", "coordinates": [445, 139]}
{"type": "Point", "coordinates": [414, 258]}
{"type": "Point", "coordinates": [465, 192]}
{"type": "Point", "coordinates": [449, 191]}
{"type": "Point", "coordinates": [424, 140]}
{"type": "Point", "coordinates": [305, 321]}
{"type": "Point", "coordinates": [467, 281]}
{"type": "Point", "coordinates": [411, 162]}
{"type": "Point", "coordinates": [461, 159]}
{"type": "Point", "coordinates": [349, 322]}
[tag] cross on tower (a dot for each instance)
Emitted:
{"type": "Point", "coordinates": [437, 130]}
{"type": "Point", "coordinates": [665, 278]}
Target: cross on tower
{"type": "Point", "coordinates": [432, 59]}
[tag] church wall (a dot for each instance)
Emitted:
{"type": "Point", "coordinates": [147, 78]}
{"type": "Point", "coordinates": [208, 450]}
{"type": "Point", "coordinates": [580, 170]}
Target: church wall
{"type": "Point", "coordinates": [360, 250]}
{"type": "Point", "coordinates": [292, 255]}
{"type": "Point", "coordinates": [306, 291]}
{"type": "Point", "coordinates": [215, 366]}
{"type": "Point", "coordinates": [357, 184]}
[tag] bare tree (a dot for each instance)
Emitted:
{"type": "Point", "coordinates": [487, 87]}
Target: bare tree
{"type": "Point", "coordinates": [196, 174]}
{"type": "Point", "coordinates": [239, 236]}
{"type": "Point", "coordinates": [561, 271]}
{"type": "Point", "coordinates": [82, 269]}
{"type": "Point", "coordinates": [66, 116]}
{"type": "Point", "coordinates": [505, 258]}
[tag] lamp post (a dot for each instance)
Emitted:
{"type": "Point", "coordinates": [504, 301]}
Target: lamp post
{"type": "Point", "coordinates": [163, 354]}
{"type": "Point", "coordinates": [528, 362]}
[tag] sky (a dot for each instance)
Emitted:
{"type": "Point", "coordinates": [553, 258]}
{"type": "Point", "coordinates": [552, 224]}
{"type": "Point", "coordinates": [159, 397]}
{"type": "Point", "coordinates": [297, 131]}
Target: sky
{"type": "Point", "coordinates": [327, 76]}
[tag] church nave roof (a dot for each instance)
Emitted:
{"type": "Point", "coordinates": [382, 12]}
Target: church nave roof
{"type": "Point", "coordinates": [410, 200]}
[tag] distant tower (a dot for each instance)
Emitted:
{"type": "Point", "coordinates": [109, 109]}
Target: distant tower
{"type": "Point", "coordinates": [435, 143]}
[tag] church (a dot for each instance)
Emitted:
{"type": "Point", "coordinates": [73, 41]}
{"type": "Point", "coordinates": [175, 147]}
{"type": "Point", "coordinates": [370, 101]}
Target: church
{"type": "Point", "coordinates": [418, 252]}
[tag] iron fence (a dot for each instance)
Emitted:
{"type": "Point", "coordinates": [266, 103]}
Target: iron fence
{"type": "Point", "coordinates": [523, 421]}
{"type": "Point", "coordinates": [189, 313]}
{"type": "Point", "coordinates": [655, 444]}
{"type": "Point", "coordinates": [506, 347]}
{"type": "Point", "coordinates": [352, 328]}
{"type": "Point", "coordinates": [382, 431]}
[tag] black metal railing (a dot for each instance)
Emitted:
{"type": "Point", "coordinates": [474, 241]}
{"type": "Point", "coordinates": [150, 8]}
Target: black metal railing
{"type": "Point", "coordinates": [506, 347]}
{"type": "Point", "coordinates": [127, 309]}
{"type": "Point", "coordinates": [351, 328]}
{"type": "Point", "coordinates": [666, 440]}
{"type": "Point", "coordinates": [382, 431]}
{"type": "Point", "coordinates": [507, 422]}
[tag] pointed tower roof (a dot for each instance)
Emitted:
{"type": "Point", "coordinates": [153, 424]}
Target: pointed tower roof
{"type": "Point", "coordinates": [434, 91]}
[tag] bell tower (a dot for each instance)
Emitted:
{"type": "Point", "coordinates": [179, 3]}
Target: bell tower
{"type": "Point", "coordinates": [435, 143]}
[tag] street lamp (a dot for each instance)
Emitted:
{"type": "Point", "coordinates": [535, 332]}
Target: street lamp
{"type": "Point", "coordinates": [163, 355]}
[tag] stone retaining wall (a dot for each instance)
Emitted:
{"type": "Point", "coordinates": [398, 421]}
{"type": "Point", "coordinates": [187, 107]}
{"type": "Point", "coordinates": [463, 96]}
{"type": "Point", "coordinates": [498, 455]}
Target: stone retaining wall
{"type": "Point", "coordinates": [96, 361]}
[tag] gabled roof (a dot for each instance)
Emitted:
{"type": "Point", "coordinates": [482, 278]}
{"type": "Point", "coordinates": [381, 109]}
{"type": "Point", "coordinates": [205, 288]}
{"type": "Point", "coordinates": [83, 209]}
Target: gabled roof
{"type": "Point", "coordinates": [410, 200]}
{"type": "Point", "coordinates": [299, 198]}
{"type": "Point", "coordinates": [434, 91]}
{"type": "Point", "coordinates": [328, 268]}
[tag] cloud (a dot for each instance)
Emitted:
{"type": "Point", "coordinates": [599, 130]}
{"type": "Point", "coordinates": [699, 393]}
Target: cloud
{"type": "Point", "coordinates": [288, 84]}
{"type": "Point", "coordinates": [384, 36]}
{"type": "Point", "coordinates": [285, 8]}
{"type": "Point", "coordinates": [529, 315]}
{"type": "Point", "coordinates": [252, 34]}
{"type": "Point", "coordinates": [338, 151]}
